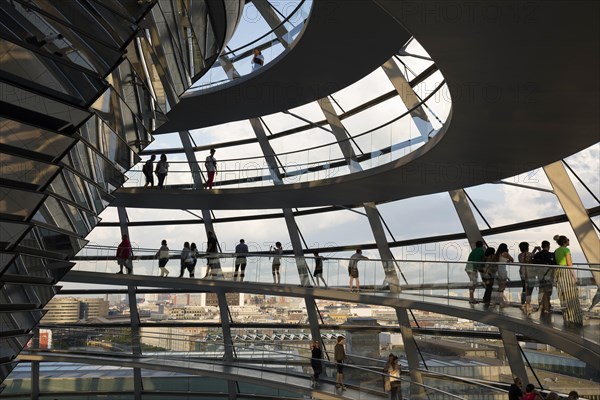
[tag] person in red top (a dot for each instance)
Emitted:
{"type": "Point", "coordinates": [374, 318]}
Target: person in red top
{"type": "Point", "coordinates": [124, 255]}
{"type": "Point", "coordinates": [531, 393]}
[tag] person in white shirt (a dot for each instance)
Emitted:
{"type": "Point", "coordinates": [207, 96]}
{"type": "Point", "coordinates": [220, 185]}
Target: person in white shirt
{"type": "Point", "coordinates": [258, 60]}
{"type": "Point", "coordinates": [353, 269]}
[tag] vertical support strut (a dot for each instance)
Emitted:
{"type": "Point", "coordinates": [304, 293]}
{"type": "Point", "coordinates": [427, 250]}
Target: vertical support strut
{"type": "Point", "coordinates": [136, 346]}
{"type": "Point", "coordinates": [290, 220]}
{"type": "Point", "coordinates": [513, 353]}
{"type": "Point", "coordinates": [466, 216]}
{"type": "Point", "coordinates": [341, 136]}
{"type": "Point", "coordinates": [412, 356]}
{"type": "Point", "coordinates": [577, 214]}
{"type": "Point", "coordinates": [313, 318]}
{"type": "Point", "coordinates": [35, 366]}
{"type": "Point", "coordinates": [227, 339]}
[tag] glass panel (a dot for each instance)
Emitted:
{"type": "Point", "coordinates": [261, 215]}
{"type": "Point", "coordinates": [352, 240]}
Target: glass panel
{"type": "Point", "coordinates": [9, 232]}
{"type": "Point", "coordinates": [24, 170]}
{"type": "Point", "coordinates": [121, 119]}
{"type": "Point", "coordinates": [15, 320]}
{"type": "Point", "coordinates": [59, 242]}
{"type": "Point", "coordinates": [23, 136]}
{"type": "Point", "coordinates": [47, 75]}
{"type": "Point", "coordinates": [107, 142]}
{"type": "Point", "coordinates": [18, 203]}
{"type": "Point", "coordinates": [45, 112]}
{"type": "Point", "coordinates": [56, 214]}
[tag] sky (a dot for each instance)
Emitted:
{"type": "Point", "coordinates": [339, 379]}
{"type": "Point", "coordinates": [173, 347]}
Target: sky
{"type": "Point", "coordinates": [421, 216]}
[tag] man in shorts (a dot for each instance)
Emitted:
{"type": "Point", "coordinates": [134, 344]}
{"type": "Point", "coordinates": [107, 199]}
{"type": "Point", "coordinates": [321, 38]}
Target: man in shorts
{"type": "Point", "coordinates": [340, 355]}
{"type": "Point", "coordinates": [277, 251]}
{"type": "Point", "coordinates": [353, 269]}
{"type": "Point", "coordinates": [240, 259]}
{"type": "Point", "coordinates": [474, 265]}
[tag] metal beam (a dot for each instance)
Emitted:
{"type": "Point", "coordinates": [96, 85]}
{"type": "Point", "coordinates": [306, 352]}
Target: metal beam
{"type": "Point", "coordinates": [341, 135]}
{"type": "Point", "coordinates": [576, 213]}
{"type": "Point", "coordinates": [513, 354]}
{"type": "Point", "coordinates": [272, 19]}
{"type": "Point", "coordinates": [466, 216]}
{"type": "Point", "coordinates": [288, 214]}
{"type": "Point", "coordinates": [227, 340]}
{"type": "Point", "coordinates": [408, 97]}
{"type": "Point", "coordinates": [301, 265]}
{"type": "Point", "coordinates": [136, 346]}
{"type": "Point", "coordinates": [225, 325]}
{"type": "Point", "coordinates": [228, 67]}
{"type": "Point", "coordinates": [410, 348]}
{"type": "Point", "coordinates": [313, 318]}
{"type": "Point", "coordinates": [35, 366]}
{"type": "Point", "coordinates": [186, 141]}
{"type": "Point", "coordinates": [267, 150]}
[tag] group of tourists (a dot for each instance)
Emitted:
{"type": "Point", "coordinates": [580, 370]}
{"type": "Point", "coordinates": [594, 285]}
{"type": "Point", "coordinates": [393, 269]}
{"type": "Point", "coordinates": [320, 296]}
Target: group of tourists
{"type": "Point", "coordinates": [162, 170]}
{"type": "Point", "coordinates": [542, 270]}
{"type": "Point", "coordinates": [515, 392]}
{"type": "Point", "coordinates": [190, 254]}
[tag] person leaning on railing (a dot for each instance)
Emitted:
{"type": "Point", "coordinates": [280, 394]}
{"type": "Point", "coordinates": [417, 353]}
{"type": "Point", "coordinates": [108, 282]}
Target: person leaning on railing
{"type": "Point", "coordinates": [489, 275]}
{"type": "Point", "coordinates": [545, 276]}
{"type": "Point", "coordinates": [474, 265]}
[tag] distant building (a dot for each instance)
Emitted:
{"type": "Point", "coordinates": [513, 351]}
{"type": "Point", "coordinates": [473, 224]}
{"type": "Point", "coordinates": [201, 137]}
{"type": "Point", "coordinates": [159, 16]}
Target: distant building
{"type": "Point", "coordinates": [93, 308]}
{"type": "Point", "coordinates": [62, 310]}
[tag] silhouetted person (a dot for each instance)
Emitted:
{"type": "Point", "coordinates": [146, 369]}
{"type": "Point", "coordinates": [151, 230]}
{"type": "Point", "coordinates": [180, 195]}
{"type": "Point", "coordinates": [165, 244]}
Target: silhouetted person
{"type": "Point", "coordinates": [277, 251]}
{"type": "Point", "coordinates": [339, 354]}
{"type": "Point", "coordinates": [162, 169]}
{"type": "Point", "coordinates": [240, 259]}
{"type": "Point", "coordinates": [316, 362]}
{"type": "Point", "coordinates": [163, 258]}
{"type": "Point", "coordinates": [515, 392]}
{"type": "Point", "coordinates": [147, 170]}
{"type": "Point", "coordinates": [489, 275]}
{"type": "Point", "coordinates": [211, 168]}
{"type": "Point", "coordinates": [124, 255]}
{"type": "Point", "coordinates": [545, 275]}
{"type": "Point", "coordinates": [214, 268]}
{"type": "Point", "coordinates": [318, 274]}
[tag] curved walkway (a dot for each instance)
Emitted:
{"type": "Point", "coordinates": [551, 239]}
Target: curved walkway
{"type": "Point", "coordinates": [581, 343]}
{"type": "Point", "coordinates": [525, 93]}
{"type": "Point", "coordinates": [340, 44]}
{"type": "Point", "coordinates": [234, 371]}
